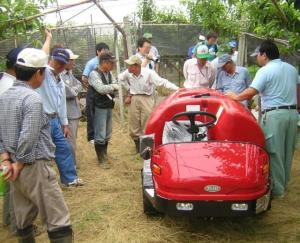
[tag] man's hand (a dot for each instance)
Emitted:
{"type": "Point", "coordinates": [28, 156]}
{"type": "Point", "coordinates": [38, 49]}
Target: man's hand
{"type": "Point", "coordinates": [7, 169]}
{"type": "Point", "coordinates": [16, 167]}
{"type": "Point", "coordinates": [85, 81]}
{"type": "Point", "coordinates": [232, 95]}
{"type": "Point", "coordinates": [66, 131]}
{"type": "Point", "coordinates": [115, 86]}
{"type": "Point", "coordinates": [127, 100]}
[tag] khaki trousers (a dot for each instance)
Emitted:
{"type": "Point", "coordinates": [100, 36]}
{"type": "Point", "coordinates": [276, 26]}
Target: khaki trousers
{"type": "Point", "coordinates": [73, 127]}
{"type": "Point", "coordinates": [140, 109]}
{"type": "Point", "coordinates": [36, 191]}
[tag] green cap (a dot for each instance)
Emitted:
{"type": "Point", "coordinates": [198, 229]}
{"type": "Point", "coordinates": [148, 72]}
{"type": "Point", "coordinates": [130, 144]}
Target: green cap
{"type": "Point", "coordinates": [202, 52]}
{"type": "Point", "coordinates": [147, 35]}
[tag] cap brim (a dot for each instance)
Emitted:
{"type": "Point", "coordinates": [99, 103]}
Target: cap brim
{"type": "Point", "coordinates": [254, 54]}
{"type": "Point", "coordinates": [220, 65]}
{"type": "Point", "coordinates": [73, 57]}
{"type": "Point", "coordinates": [57, 58]}
{"type": "Point", "coordinates": [203, 56]}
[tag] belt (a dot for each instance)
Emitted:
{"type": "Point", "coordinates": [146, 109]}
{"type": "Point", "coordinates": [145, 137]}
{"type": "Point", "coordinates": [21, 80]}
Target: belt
{"type": "Point", "coordinates": [52, 115]}
{"type": "Point", "coordinates": [284, 107]}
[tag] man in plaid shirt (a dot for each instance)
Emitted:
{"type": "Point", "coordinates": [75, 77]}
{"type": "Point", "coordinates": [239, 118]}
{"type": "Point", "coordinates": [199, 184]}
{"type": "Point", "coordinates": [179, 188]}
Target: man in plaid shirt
{"type": "Point", "coordinates": [27, 151]}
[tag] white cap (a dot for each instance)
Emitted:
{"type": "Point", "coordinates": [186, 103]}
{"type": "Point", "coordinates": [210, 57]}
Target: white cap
{"type": "Point", "coordinates": [31, 57]}
{"type": "Point", "coordinates": [72, 55]}
{"type": "Point", "coordinates": [201, 37]}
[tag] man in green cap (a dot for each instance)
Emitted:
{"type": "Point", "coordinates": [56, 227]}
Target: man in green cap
{"type": "Point", "coordinates": [153, 49]}
{"type": "Point", "coordinates": [198, 72]}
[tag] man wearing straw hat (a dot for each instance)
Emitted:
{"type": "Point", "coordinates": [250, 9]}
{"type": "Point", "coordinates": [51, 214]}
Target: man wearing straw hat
{"type": "Point", "coordinates": [140, 83]}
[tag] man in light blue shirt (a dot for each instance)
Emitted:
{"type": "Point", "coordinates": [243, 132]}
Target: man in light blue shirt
{"type": "Point", "coordinates": [231, 77]}
{"type": "Point", "coordinates": [89, 67]}
{"type": "Point", "coordinates": [53, 96]}
{"type": "Point", "coordinates": [276, 82]}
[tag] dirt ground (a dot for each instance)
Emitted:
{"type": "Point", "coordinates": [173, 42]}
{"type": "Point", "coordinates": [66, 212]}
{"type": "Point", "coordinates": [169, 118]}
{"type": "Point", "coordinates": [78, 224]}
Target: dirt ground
{"type": "Point", "coordinates": [108, 208]}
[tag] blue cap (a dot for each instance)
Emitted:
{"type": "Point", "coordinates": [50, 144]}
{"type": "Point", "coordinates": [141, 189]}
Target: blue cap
{"type": "Point", "coordinates": [12, 55]}
{"type": "Point", "coordinates": [223, 60]}
{"type": "Point", "coordinates": [60, 54]}
{"type": "Point", "coordinates": [232, 44]}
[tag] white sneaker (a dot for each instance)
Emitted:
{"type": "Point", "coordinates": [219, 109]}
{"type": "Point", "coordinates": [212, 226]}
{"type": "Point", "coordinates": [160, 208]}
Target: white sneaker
{"type": "Point", "coordinates": [92, 141]}
{"type": "Point", "coordinates": [76, 182]}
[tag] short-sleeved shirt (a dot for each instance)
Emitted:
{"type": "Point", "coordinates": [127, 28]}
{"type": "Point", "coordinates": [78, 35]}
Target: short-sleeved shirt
{"type": "Point", "coordinates": [90, 66]}
{"type": "Point", "coordinates": [277, 84]}
{"type": "Point", "coordinates": [236, 83]}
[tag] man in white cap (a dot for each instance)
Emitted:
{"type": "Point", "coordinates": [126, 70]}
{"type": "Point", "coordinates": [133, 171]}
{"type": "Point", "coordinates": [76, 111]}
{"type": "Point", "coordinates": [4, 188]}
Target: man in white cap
{"type": "Point", "coordinates": [198, 72]}
{"type": "Point", "coordinates": [73, 87]}
{"type": "Point", "coordinates": [27, 153]}
{"type": "Point", "coordinates": [140, 83]}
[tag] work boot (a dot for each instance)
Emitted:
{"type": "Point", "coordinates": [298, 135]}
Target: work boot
{"type": "Point", "coordinates": [101, 151]}
{"type": "Point", "coordinates": [137, 145]}
{"type": "Point", "coordinates": [64, 235]}
{"type": "Point", "coordinates": [26, 235]}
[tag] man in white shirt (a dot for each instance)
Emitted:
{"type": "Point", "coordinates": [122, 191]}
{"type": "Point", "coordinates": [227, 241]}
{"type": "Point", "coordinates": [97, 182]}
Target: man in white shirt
{"type": "Point", "coordinates": [198, 72]}
{"type": "Point", "coordinates": [140, 83]}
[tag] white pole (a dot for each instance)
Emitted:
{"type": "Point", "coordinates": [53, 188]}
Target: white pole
{"type": "Point", "coordinates": [121, 103]}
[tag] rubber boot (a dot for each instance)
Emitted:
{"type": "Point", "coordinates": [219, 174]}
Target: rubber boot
{"type": "Point", "coordinates": [101, 151]}
{"type": "Point", "coordinates": [64, 235]}
{"type": "Point", "coordinates": [26, 235]}
{"type": "Point", "coordinates": [137, 145]}
{"type": "Point", "coordinates": [109, 156]}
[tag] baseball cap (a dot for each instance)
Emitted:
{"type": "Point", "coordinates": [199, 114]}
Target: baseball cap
{"type": "Point", "coordinates": [72, 55]}
{"type": "Point", "coordinates": [33, 58]}
{"type": "Point", "coordinates": [202, 52]}
{"type": "Point", "coordinates": [256, 52]}
{"type": "Point", "coordinates": [133, 60]}
{"type": "Point", "coordinates": [60, 54]}
{"type": "Point", "coordinates": [232, 44]}
{"type": "Point", "coordinates": [147, 35]}
{"type": "Point", "coordinates": [12, 55]}
{"type": "Point", "coordinates": [222, 60]}
{"type": "Point", "coordinates": [108, 56]}
{"type": "Point", "coordinates": [201, 37]}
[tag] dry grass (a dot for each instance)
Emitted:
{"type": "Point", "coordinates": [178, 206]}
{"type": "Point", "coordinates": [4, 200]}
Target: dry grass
{"type": "Point", "coordinates": [109, 207]}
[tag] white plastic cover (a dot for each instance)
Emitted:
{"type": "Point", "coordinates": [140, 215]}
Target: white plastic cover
{"type": "Point", "coordinates": [174, 133]}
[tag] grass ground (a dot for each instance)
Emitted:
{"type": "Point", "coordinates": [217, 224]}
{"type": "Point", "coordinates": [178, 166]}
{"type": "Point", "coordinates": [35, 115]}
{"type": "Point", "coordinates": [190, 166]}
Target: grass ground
{"type": "Point", "coordinates": [109, 207]}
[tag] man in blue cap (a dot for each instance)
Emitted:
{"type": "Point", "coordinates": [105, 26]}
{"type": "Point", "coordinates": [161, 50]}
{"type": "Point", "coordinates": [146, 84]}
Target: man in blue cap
{"type": "Point", "coordinates": [53, 96]}
{"type": "Point", "coordinates": [231, 77]}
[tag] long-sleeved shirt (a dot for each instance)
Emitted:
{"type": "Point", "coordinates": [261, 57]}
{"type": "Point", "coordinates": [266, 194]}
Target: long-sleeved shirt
{"type": "Point", "coordinates": [196, 77]}
{"type": "Point", "coordinates": [53, 95]}
{"type": "Point", "coordinates": [73, 86]}
{"type": "Point", "coordinates": [24, 128]}
{"type": "Point", "coordinates": [144, 83]}
{"type": "Point", "coordinates": [96, 82]}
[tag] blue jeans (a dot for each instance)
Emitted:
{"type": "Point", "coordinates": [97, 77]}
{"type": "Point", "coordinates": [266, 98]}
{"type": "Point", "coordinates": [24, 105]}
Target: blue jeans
{"type": "Point", "coordinates": [63, 153]}
{"type": "Point", "coordinates": [102, 125]}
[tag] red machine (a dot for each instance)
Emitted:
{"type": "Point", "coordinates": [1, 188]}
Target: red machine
{"type": "Point", "coordinates": [204, 155]}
